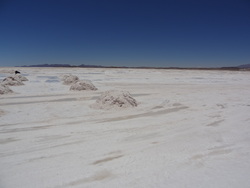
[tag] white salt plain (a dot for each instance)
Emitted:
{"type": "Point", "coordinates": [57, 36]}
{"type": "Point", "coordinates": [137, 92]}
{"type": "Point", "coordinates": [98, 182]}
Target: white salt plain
{"type": "Point", "coordinates": [190, 129]}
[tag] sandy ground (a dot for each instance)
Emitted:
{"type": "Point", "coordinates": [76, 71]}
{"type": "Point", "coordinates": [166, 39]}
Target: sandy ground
{"type": "Point", "coordinates": [191, 129]}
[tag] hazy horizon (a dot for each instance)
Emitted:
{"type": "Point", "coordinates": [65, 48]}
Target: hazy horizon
{"type": "Point", "coordinates": [121, 66]}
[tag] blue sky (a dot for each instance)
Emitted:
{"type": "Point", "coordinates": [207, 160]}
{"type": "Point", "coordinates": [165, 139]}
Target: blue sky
{"type": "Point", "coordinates": [180, 33]}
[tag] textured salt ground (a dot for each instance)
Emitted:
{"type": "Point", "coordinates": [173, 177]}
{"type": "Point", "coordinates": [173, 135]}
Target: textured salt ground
{"type": "Point", "coordinates": [186, 132]}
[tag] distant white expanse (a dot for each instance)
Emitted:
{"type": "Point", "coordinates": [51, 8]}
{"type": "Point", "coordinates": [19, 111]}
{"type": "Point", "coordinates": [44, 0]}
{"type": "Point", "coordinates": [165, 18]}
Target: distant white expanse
{"type": "Point", "coordinates": [190, 129]}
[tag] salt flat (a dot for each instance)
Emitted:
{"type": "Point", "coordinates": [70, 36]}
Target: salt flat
{"type": "Point", "coordinates": [190, 129]}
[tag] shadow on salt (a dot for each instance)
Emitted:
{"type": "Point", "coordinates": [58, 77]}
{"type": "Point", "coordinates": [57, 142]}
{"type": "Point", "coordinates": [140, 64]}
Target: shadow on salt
{"type": "Point", "coordinates": [49, 79]}
{"type": "Point", "coordinates": [52, 81]}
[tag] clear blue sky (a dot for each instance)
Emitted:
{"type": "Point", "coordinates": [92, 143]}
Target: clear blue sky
{"type": "Point", "coordinates": [183, 33]}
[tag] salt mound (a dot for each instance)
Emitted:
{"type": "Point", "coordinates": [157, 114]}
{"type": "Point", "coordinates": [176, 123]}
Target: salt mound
{"type": "Point", "coordinates": [20, 77]}
{"type": "Point", "coordinates": [69, 79]}
{"type": "Point", "coordinates": [115, 99]}
{"type": "Point", "coordinates": [4, 89]}
{"type": "Point", "coordinates": [83, 85]}
{"type": "Point", "coordinates": [12, 81]}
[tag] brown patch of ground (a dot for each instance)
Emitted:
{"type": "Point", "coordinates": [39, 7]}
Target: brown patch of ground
{"type": "Point", "coordinates": [214, 124]}
{"type": "Point", "coordinates": [2, 113]}
{"type": "Point", "coordinates": [7, 140]}
{"type": "Point", "coordinates": [99, 176]}
{"type": "Point", "coordinates": [107, 159]}
{"type": "Point", "coordinates": [160, 112]}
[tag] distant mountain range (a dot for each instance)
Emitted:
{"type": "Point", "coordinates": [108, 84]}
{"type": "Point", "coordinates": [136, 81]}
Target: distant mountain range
{"type": "Point", "coordinates": [59, 65]}
{"type": "Point", "coordinates": [240, 67]}
{"type": "Point", "coordinates": [246, 66]}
